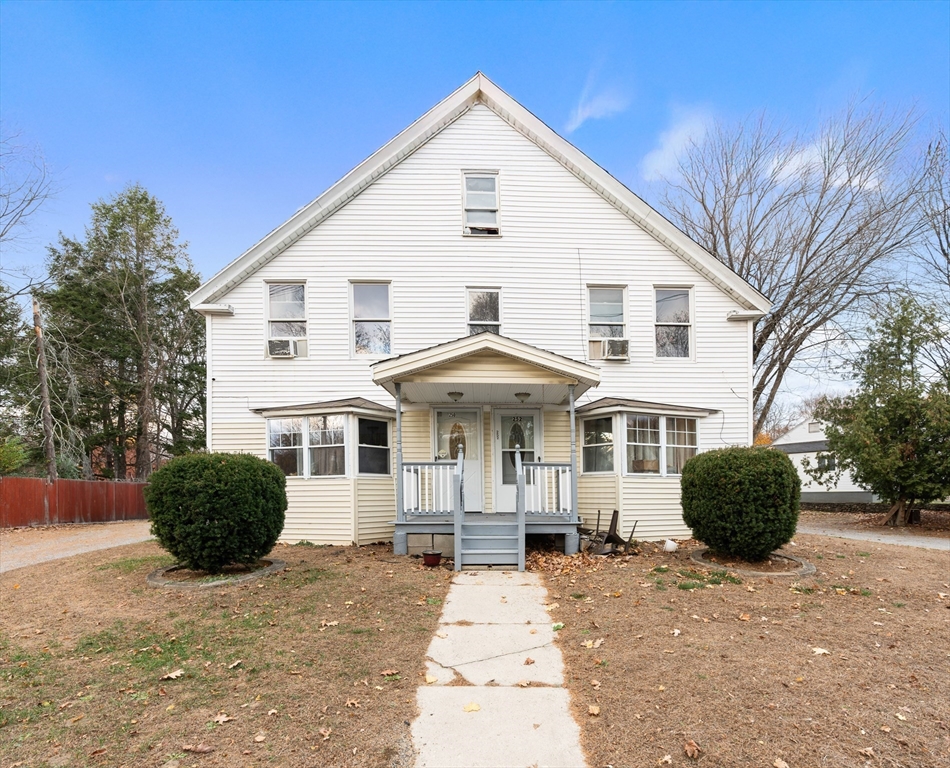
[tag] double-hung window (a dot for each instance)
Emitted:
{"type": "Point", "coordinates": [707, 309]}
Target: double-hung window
{"type": "Point", "coordinates": [285, 445]}
{"type": "Point", "coordinates": [287, 320]}
{"type": "Point", "coordinates": [672, 322]}
{"type": "Point", "coordinates": [327, 445]}
{"type": "Point", "coordinates": [643, 444]}
{"type": "Point", "coordinates": [599, 445]}
{"type": "Point", "coordinates": [659, 444]}
{"type": "Point", "coordinates": [484, 310]}
{"type": "Point", "coordinates": [373, 447]}
{"type": "Point", "coordinates": [606, 321]}
{"type": "Point", "coordinates": [480, 203]}
{"type": "Point", "coordinates": [371, 319]}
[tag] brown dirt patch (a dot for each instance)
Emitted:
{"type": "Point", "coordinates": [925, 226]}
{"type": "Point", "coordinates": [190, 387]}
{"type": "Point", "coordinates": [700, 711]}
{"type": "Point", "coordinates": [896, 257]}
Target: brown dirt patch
{"type": "Point", "coordinates": [771, 564]}
{"type": "Point", "coordinates": [740, 668]}
{"type": "Point", "coordinates": [84, 645]}
{"type": "Point", "coordinates": [186, 576]}
{"type": "Point", "coordinates": [935, 523]}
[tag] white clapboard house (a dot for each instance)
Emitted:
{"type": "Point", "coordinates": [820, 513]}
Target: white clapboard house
{"type": "Point", "coordinates": [803, 443]}
{"type": "Point", "coordinates": [479, 333]}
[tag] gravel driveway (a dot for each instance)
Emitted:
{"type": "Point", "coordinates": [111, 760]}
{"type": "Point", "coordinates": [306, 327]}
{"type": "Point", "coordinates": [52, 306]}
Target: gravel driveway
{"type": "Point", "coordinates": [20, 547]}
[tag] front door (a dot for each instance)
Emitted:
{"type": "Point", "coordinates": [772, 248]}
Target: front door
{"type": "Point", "coordinates": [514, 428]}
{"type": "Point", "coordinates": [461, 430]}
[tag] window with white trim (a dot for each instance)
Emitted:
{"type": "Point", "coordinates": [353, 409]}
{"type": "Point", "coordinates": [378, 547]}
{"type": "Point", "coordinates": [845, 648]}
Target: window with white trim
{"type": "Point", "coordinates": [606, 308]}
{"type": "Point", "coordinates": [484, 310]}
{"type": "Point", "coordinates": [680, 443]}
{"type": "Point", "coordinates": [598, 444]}
{"type": "Point", "coordinates": [286, 320]}
{"type": "Point", "coordinates": [643, 444]}
{"type": "Point", "coordinates": [659, 445]}
{"type": "Point", "coordinates": [374, 447]}
{"type": "Point", "coordinates": [371, 319]}
{"type": "Point", "coordinates": [480, 196]}
{"type": "Point", "coordinates": [285, 445]}
{"type": "Point", "coordinates": [672, 322]}
{"type": "Point", "coordinates": [327, 445]}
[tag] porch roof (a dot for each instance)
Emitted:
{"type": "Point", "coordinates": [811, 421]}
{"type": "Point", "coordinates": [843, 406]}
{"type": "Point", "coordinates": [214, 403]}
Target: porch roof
{"type": "Point", "coordinates": [485, 368]}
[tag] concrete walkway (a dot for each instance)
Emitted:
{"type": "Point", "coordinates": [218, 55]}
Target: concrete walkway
{"type": "Point", "coordinates": [494, 694]}
{"type": "Point", "coordinates": [904, 539]}
{"type": "Point", "coordinates": [39, 545]}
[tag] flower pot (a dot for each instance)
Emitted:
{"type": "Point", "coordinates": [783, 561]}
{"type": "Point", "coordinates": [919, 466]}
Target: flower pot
{"type": "Point", "coordinates": [432, 557]}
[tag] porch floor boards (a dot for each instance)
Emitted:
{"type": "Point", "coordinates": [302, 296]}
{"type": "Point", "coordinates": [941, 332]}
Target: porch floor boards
{"type": "Point", "coordinates": [446, 523]}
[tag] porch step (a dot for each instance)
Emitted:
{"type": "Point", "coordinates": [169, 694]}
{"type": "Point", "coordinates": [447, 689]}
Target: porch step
{"type": "Point", "coordinates": [478, 541]}
{"type": "Point", "coordinates": [490, 557]}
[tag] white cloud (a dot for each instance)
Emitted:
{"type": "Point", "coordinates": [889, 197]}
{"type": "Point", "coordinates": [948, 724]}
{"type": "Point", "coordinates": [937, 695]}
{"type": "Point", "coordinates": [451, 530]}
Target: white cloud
{"type": "Point", "coordinates": [688, 124]}
{"type": "Point", "coordinates": [595, 106]}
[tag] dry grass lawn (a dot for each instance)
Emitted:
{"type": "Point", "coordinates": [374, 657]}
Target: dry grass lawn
{"type": "Point", "coordinates": [849, 667]}
{"type": "Point", "coordinates": [284, 671]}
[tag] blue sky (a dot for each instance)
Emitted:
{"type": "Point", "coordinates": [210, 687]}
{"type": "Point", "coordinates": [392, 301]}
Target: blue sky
{"type": "Point", "coordinates": [236, 114]}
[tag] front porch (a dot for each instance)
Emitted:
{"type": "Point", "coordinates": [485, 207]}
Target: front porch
{"type": "Point", "coordinates": [486, 399]}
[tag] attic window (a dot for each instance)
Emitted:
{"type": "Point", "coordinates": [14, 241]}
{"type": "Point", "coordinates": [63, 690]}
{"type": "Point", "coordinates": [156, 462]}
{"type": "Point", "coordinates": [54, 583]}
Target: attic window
{"type": "Point", "coordinates": [481, 204]}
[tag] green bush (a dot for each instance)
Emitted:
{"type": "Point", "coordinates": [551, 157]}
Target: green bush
{"type": "Point", "coordinates": [210, 510]}
{"type": "Point", "coordinates": [12, 455]}
{"type": "Point", "coordinates": [741, 502]}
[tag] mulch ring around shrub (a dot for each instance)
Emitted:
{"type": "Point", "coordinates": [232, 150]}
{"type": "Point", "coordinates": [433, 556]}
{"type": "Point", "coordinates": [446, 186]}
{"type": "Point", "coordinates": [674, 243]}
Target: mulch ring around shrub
{"type": "Point", "coordinates": [774, 565]}
{"type": "Point", "coordinates": [179, 577]}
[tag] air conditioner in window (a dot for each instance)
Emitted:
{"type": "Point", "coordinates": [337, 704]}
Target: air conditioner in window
{"type": "Point", "coordinates": [615, 349]}
{"type": "Point", "coordinates": [282, 348]}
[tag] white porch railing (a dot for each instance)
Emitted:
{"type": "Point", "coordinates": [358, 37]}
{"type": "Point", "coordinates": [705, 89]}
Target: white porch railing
{"type": "Point", "coordinates": [427, 488]}
{"type": "Point", "coordinates": [548, 490]}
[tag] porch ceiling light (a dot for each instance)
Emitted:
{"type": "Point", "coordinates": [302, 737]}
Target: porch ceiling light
{"type": "Point", "coordinates": [522, 396]}
{"type": "Point", "coordinates": [456, 396]}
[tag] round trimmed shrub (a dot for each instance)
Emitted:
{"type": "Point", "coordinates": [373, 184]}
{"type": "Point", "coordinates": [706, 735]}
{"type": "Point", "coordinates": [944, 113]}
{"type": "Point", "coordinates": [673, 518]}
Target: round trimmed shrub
{"type": "Point", "coordinates": [741, 502]}
{"type": "Point", "coordinates": [211, 510]}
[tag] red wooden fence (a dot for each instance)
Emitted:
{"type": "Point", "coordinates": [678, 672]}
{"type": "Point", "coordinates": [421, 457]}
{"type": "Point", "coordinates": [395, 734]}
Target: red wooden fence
{"type": "Point", "coordinates": [35, 501]}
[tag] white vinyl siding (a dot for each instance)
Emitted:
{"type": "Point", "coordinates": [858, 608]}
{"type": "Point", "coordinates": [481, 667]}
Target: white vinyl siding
{"type": "Point", "coordinates": [404, 230]}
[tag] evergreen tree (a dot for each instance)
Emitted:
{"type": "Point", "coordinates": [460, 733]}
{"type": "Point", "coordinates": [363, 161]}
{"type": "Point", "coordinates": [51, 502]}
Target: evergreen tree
{"type": "Point", "coordinates": [893, 433]}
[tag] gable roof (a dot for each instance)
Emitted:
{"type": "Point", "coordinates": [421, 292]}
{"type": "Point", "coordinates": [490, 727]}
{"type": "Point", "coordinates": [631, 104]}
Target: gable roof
{"type": "Point", "coordinates": [480, 90]}
{"type": "Point", "coordinates": [387, 372]}
{"type": "Point", "coordinates": [355, 404]}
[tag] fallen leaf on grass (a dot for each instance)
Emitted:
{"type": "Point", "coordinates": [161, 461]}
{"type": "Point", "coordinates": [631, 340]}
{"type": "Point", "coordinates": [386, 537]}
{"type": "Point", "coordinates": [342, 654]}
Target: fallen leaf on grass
{"type": "Point", "coordinates": [75, 719]}
{"type": "Point", "coordinates": [222, 718]}
{"type": "Point", "coordinates": [528, 661]}
{"type": "Point", "coordinates": [779, 763]}
{"type": "Point", "coordinates": [259, 738]}
{"type": "Point", "coordinates": [744, 617]}
{"type": "Point", "coordinates": [595, 684]}
{"type": "Point", "coordinates": [692, 750]}
{"type": "Point", "coordinates": [173, 675]}
{"type": "Point", "coordinates": [325, 732]}
{"type": "Point", "coordinates": [431, 679]}
{"type": "Point", "coordinates": [523, 683]}
{"type": "Point", "coordinates": [665, 760]}
{"type": "Point", "coordinates": [820, 652]}
{"type": "Point", "coordinates": [271, 711]}
{"type": "Point", "coordinates": [869, 752]}
{"type": "Point", "coordinates": [234, 664]}
{"type": "Point", "coordinates": [471, 707]}
{"type": "Point", "coordinates": [352, 703]}
{"type": "Point", "coordinates": [389, 672]}
{"type": "Point", "coordinates": [675, 633]}
{"type": "Point", "coordinates": [97, 752]}
{"type": "Point", "coordinates": [593, 710]}
{"type": "Point", "coordinates": [198, 749]}
{"type": "Point", "coordinates": [900, 716]}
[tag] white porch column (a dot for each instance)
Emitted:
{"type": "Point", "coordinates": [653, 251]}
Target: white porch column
{"type": "Point", "coordinates": [572, 540]}
{"type": "Point", "coordinates": [400, 538]}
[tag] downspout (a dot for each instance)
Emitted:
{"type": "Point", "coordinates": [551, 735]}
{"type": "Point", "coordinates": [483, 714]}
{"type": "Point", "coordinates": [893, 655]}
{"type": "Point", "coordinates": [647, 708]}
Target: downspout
{"type": "Point", "coordinates": [400, 538]}
{"type": "Point", "coordinates": [572, 540]}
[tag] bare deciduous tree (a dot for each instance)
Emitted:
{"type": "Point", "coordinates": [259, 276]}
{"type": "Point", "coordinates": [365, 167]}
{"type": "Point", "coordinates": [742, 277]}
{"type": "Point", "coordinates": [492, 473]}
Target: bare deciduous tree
{"type": "Point", "coordinates": [814, 223]}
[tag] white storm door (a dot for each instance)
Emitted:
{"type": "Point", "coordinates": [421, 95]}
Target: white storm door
{"type": "Point", "coordinates": [455, 430]}
{"type": "Point", "coordinates": [513, 428]}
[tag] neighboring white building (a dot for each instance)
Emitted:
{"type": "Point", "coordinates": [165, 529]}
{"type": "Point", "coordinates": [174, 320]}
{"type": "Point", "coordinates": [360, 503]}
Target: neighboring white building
{"type": "Point", "coordinates": [808, 440]}
{"type": "Point", "coordinates": [477, 286]}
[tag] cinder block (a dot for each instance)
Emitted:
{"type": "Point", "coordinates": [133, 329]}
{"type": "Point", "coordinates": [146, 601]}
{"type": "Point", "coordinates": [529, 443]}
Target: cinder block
{"type": "Point", "coordinates": [444, 542]}
{"type": "Point", "coordinates": [419, 542]}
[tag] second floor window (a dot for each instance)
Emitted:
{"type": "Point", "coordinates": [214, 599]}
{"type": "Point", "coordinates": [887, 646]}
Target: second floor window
{"type": "Point", "coordinates": [481, 204]}
{"type": "Point", "coordinates": [672, 322]}
{"type": "Point", "coordinates": [484, 311]}
{"type": "Point", "coordinates": [287, 320]}
{"type": "Point", "coordinates": [606, 318]}
{"type": "Point", "coordinates": [371, 319]}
